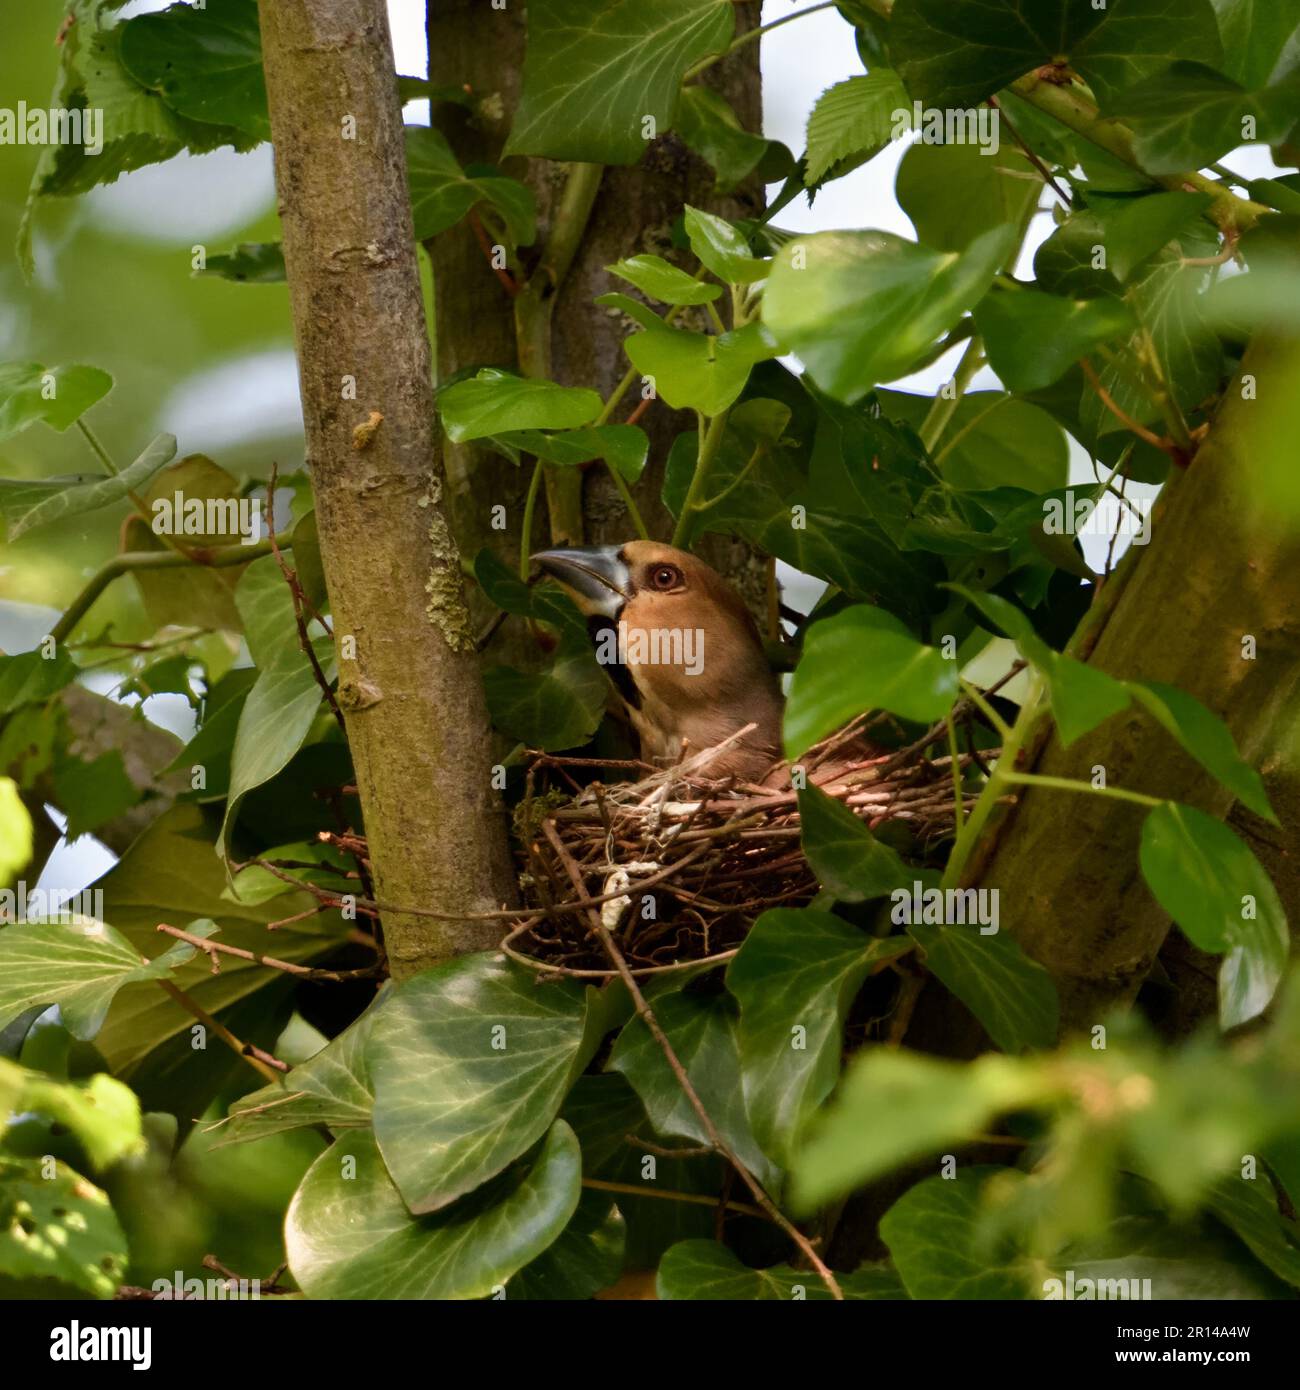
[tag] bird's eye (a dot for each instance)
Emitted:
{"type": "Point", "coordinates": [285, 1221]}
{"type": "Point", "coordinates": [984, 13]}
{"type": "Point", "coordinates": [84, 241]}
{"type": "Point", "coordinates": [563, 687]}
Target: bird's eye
{"type": "Point", "coordinates": [665, 577]}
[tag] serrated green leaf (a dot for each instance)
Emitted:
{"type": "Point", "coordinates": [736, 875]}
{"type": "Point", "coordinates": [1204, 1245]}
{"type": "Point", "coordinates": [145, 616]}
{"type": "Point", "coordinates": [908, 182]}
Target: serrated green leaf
{"type": "Point", "coordinates": [853, 120]}
{"type": "Point", "coordinates": [250, 263]}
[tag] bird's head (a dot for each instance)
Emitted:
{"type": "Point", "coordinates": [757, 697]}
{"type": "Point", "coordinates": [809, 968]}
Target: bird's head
{"type": "Point", "coordinates": [677, 641]}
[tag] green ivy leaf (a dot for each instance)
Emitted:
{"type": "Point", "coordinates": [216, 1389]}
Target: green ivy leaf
{"type": "Point", "coordinates": [1034, 339]}
{"type": "Point", "coordinates": [623, 447]}
{"type": "Point", "coordinates": [330, 1089]}
{"type": "Point", "coordinates": [710, 127]}
{"type": "Point", "coordinates": [1207, 738]}
{"type": "Point", "coordinates": [586, 1257]}
{"type": "Point", "coordinates": [698, 1270]}
{"type": "Point", "coordinates": [1248, 1207]}
{"type": "Point", "coordinates": [955, 193]}
{"type": "Point", "coordinates": [496, 402]}
{"type": "Point", "coordinates": [348, 1234]}
{"type": "Point", "coordinates": [934, 1235]}
{"type": "Point", "coordinates": [78, 965]}
{"type": "Point", "coordinates": [703, 1034]}
{"type": "Point", "coordinates": [555, 708]}
{"type": "Point", "coordinates": [931, 1104]}
{"type": "Point", "coordinates": [1184, 117]}
{"type": "Point", "coordinates": [250, 263]}
{"type": "Point", "coordinates": [102, 1113]}
{"type": "Point", "coordinates": [207, 63]}
{"type": "Point", "coordinates": [60, 1229]}
{"type": "Point", "coordinates": [15, 832]}
{"type": "Point", "coordinates": [1136, 228]}
{"type": "Point", "coordinates": [956, 53]}
{"type": "Point", "coordinates": [796, 976]}
{"type": "Point", "coordinates": [592, 78]}
{"type": "Point", "coordinates": [722, 248]}
{"type": "Point", "coordinates": [93, 791]}
{"type": "Point", "coordinates": [697, 371]}
{"type": "Point", "coordinates": [846, 857]}
{"type": "Point", "coordinates": [57, 396]}
{"type": "Point", "coordinates": [1211, 884]}
{"type": "Point", "coordinates": [658, 279]}
{"type": "Point", "coordinates": [852, 122]}
{"type": "Point", "coordinates": [860, 308]}
{"type": "Point", "coordinates": [862, 659]}
{"type": "Point", "coordinates": [471, 1062]}
{"type": "Point", "coordinates": [442, 193]}
{"type": "Point", "coordinates": [1013, 997]}
{"type": "Point", "coordinates": [27, 505]}
{"type": "Point", "coordinates": [32, 678]}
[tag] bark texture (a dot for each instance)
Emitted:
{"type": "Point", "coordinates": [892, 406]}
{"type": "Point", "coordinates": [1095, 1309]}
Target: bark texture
{"type": "Point", "coordinates": [483, 49]}
{"type": "Point", "coordinates": [412, 697]}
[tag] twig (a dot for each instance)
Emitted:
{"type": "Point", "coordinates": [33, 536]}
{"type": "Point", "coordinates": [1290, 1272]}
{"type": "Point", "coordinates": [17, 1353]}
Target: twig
{"type": "Point", "coordinates": [699, 1199]}
{"type": "Point", "coordinates": [646, 1014]}
{"type": "Point", "coordinates": [267, 1067]}
{"type": "Point", "coordinates": [215, 949]}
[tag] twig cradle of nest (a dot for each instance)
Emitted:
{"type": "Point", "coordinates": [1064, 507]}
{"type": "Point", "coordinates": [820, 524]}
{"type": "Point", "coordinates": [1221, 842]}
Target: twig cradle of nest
{"type": "Point", "coordinates": [680, 863]}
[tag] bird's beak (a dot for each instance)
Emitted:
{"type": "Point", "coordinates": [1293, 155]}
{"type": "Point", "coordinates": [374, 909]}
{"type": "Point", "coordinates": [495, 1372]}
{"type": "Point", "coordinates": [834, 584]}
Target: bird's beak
{"type": "Point", "coordinates": [596, 576]}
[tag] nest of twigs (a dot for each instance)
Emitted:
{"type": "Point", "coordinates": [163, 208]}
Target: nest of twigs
{"type": "Point", "coordinates": [677, 864]}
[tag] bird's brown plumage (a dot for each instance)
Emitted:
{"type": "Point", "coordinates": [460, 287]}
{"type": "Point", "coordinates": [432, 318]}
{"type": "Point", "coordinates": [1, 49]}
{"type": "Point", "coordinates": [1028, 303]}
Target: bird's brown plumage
{"type": "Point", "coordinates": [691, 668]}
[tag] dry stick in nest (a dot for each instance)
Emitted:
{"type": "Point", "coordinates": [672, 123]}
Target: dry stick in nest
{"type": "Point", "coordinates": [646, 1014]}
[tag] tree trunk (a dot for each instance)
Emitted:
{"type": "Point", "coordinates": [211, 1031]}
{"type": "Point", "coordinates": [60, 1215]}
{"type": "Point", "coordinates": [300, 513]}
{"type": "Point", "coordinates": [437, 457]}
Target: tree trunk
{"type": "Point", "coordinates": [633, 212]}
{"type": "Point", "coordinates": [1221, 569]}
{"type": "Point", "coordinates": [411, 694]}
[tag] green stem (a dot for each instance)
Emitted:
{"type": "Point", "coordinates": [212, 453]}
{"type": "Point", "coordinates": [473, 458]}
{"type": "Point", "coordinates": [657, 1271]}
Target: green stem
{"type": "Point", "coordinates": [534, 308]}
{"type": "Point", "coordinates": [710, 437]}
{"type": "Point", "coordinates": [943, 406]}
{"type": "Point", "coordinates": [959, 809]}
{"type": "Point", "coordinates": [751, 36]}
{"type": "Point", "coordinates": [530, 506]}
{"type": "Point", "coordinates": [629, 376]}
{"type": "Point", "coordinates": [97, 448]}
{"type": "Point", "coordinates": [628, 501]}
{"type": "Point", "coordinates": [999, 780]}
{"type": "Point", "coordinates": [1069, 784]}
{"type": "Point", "coordinates": [154, 560]}
{"type": "Point", "coordinates": [974, 695]}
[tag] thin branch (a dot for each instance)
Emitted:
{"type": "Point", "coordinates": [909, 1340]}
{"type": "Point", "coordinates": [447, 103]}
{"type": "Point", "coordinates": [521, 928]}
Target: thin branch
{"type": "Point", "coordinates": [267, 1067]}
{"type": "Point", "coordinates": [646, 1014]}
{"type": "Point", "coordinates": [216, 949]}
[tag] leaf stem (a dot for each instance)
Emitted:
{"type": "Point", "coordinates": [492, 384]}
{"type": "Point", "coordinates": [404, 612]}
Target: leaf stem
{"type": "Point", "coordinates": [942, 407]}
{"type": "Point", "coordinates": [155, 560]}
{"type": "Point", "coordinates": [959, 809]}
{"type": "Point", "coordinates": [530, 506]}
{"type": "Point", "coordinates": [751, 36]}
{"type": "Point", "coordinates": [1069, 784]}
{"type": "Point", "coordinates": [710, 441]}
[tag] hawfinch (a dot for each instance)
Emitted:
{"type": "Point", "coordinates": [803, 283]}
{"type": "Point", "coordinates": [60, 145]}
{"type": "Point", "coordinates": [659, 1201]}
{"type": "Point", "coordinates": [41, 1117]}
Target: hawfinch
{"type": "Point", "coordinates": [682, 651]}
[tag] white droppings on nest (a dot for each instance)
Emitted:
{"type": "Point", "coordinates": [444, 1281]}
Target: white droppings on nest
{"type": "Point", "coordinates": [618, 882]}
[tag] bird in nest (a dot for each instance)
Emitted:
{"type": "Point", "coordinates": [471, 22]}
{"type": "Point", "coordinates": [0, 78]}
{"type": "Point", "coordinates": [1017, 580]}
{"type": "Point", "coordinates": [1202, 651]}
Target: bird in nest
{"type": "Point", "coordinates": [683, 653]}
